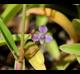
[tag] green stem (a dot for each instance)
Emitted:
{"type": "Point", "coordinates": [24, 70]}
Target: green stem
{"type": "Point", "coordinates": [23, 25]}
{"type": "Point", "coordinates": [21, 51]}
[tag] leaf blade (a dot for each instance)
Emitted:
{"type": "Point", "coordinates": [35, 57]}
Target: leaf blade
{"type": "Point", "coordinates": [10, 12]}
{"type": "Point", "coordinates": [8, 37]}
{"type": "Point", "coordinates": [53, 49]}
{"type": "Point", "coordinates": [71, 48]}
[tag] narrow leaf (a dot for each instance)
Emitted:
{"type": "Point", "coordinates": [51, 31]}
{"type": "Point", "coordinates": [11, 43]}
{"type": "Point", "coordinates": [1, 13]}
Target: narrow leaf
{"type": "Point", "coordinates": [8, 37]}
{"type": "Point", "coordinates": [10, 11]}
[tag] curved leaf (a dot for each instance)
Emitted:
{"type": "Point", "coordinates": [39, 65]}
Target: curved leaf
{"type": "Point", "coordinates": [71, 48]}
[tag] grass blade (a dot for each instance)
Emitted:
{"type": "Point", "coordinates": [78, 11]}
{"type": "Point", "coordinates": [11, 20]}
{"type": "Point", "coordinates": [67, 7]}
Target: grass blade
{"type": "Point", "coordinates": [10, 11]}
{"type": "Point", "coordinates": [8, 37]}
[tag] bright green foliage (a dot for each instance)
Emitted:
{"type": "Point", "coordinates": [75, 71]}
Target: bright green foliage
{"type": "Point", "coordinates": [8, 37]}
{"type": "Point", "coordinates": [41, 20]}
{"type": "Point", "coordinates": [53, 49]}
{"type": "Point", "coordinates": [72, 49]}
{"type": "Point", "coordinates": [10, 11]}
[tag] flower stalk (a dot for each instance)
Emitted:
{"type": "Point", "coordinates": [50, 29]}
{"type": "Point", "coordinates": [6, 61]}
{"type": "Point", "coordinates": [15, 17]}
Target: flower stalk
{"type": "Point", "coordinates": [20, 63]}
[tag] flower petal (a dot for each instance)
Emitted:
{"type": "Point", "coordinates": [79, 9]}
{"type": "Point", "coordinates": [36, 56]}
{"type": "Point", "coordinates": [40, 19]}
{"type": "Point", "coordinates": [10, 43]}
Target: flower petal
{"type": "Point", "coordinates": [48, 38]}
{"type": "Point", "coordinates": [42, 36]}
{"type": "Point", "coordinates": [35, 37]}
{"type": "Point", "coordinates": [43, 29]}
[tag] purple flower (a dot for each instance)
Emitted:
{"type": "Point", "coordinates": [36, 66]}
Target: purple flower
{"type": "Point", "coordinates": [35, 37]}
{"type": "Point", "coordinates": [42, 35]}
{"type": "Point", "coordinates": [48, 38]}
{"type": "Point", "coordinates": [43, 29]}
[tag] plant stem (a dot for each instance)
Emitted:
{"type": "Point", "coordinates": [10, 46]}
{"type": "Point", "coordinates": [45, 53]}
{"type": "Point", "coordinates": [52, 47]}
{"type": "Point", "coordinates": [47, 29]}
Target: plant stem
{"type": "Point", "coordinates": [21, 52]}
{"type": "Point", "coordinates": [23, 25]}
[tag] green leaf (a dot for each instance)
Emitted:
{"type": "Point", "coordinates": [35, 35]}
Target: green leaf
{"type": "Point", "coordinates": [41, 20]}
{"type": "Point", "coordinates": [10, 11]}
{"type": "Point", "coordinates": [71, 48]}
{"type": "Point", "coordinates": [53, 49]}
{"type": "Point", "coordinates": [8, 37]}
{"type": "Point", "coordinates": [15, 38]}
{"type": "Point", "coordinates": [76, 25]}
